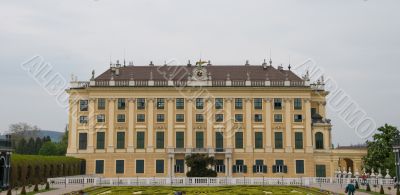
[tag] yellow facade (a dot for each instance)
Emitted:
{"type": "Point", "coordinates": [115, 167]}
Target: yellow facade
{"type": "Point", "coordinates": [313, 153]}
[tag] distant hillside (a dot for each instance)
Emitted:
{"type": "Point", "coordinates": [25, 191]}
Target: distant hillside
{"type": "Point", "coordinates": [54, 135]}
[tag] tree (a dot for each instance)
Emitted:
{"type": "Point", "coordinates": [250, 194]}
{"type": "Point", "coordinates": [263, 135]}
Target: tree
{"type": "Point", "coordinates": [48, 149]}
{"type": "Point", "coordinates": [380, 153]}
{"type": "Point", "coordinates": [199, 164]}
{"type": "Point", "coordinates": [381, 191]}
{"type": "Point", "coordinates": [30, 146]}
{"type": "Point", "coordinates": [21, 129]}
{"type": "Point", "coordinates": [38, 145]}
{"type": "Point", "coordinates": [21, 146]}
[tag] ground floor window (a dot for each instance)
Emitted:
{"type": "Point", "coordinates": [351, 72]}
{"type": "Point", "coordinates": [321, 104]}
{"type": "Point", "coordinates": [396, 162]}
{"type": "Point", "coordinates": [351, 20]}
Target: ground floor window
{"type": "Point", "coordinates": [219, 166]}
{"type": "Point", "coordinates": [139, 166]}
{"type": "Point", "coordinates": [179, 166]}
{"type": "Point", "coordinates": [259, 167]}
{"type": "Point", "coordinates": [119, 166]}
{"type": "Point", "coordinates": [300, 166]}
{"type": "Point", "coordinates": [99, 166]}
{"type": "Point", "coordinates": [279, 167]}
{"type": "Point", "coordinates": [159, 166]}
{"type": "Point", "coordinates": [320, 171]}
{"type": "Point", "coordinates": [239, 167]}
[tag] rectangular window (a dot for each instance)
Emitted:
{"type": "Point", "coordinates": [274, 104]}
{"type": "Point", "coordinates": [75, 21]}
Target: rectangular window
{"type": "Point", "coordinates": [239, 140]}
{"type": "Point", "coordinates": [258, 138]}
{"type": "Point", "coordinates": [179, 166]}
{"type": "Point", "coordinates": [101, 118]}
{"type": "Point", "coordinates": [277, 118]}
{"type": "Point", "coordinates": [180, 139]}
{"type": "Point", "coordinates": [300, 166]}
{"type": "Point", "coordinates": [199, 103]}
{"type": "Point", "coordinates": [140, 118]}
{"type": "Point", "coordinates": [180, 103]}
{"type": "Point", "coordinates": [120, 140]}
{"type": "Point", "coordinates": [101, 104]}
{"type": "Point", "coordinates": [180, 118]}
{"type": "Point", "coordinates": [139, 166]}
{"type": "Point", "coordinates": [219, 166]}
{"type": "Point", "coordinates": [160, 103]}
{"type": "Point", "coordinates": [141, 103]}
{"type": "Point", "coordinates": [298, 118]}
{"type": "Point", "coordinates": [160, 140]}
{"type": "Point", "coordinates": [159, 166]}
{"type": "Point", "coordinates": [83, 119]}
{"type": "Point", "coordinates": [121, 103]}
{"type": "Point", "coordinates": [239, 167]}
{"type": "Point", "coordinates": [238, 118]}
{"type": "Point", "coordinates": [258, 118]}
{"type": "Point", "coordinates": [100, 141]}
{"type": "Point", "coordinates": [199, 118]}
{"type": "Point", "coordinates": [160, 118]}
{"type": "Point", "coordinates": [119, 166]}
{"type": "Point", "coordinates": [219, 117]}
{"type": "Point", "coordinates": [259, 167]}
{"type": "Point", "coordinates": [279, 167]}
{"type": "Point", "coordinates": [82, 141]}
{"type": "Point", "coordinates": [298, 139]}
{"type": "Point", "coordinates": [140, 137]}
{"type": "Point", "coordinates": [278, 140]}
{"type": "Point", "coordinates": [219, 103]}
{"type": "Point", "coordinates": [258, 103]}
{"type": "Point", "coordinates": [238, 103]}
{"type": "Point", "coordinates": [83, 105]}
{"type": "Point", "coordinates": [121, 118]}
{"type": "Point", "coordinates": [219, 141]}
{"type": "Point", "coordinates": [320, 171]}
{"type": "Point", "coordinates": [277, 103]}
{"type": "Point", "coordinates": [199, 139]}
{"type": "Point", "coordinates": [297, 103]}
{"type": "Point", "coordinates": [99, 166]}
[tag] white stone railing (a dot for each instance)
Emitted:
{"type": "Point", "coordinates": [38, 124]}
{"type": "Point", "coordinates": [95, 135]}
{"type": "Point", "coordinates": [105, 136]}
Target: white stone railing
{"type": "Point", "coordinates": [183, 83]}
{"type": "Point", "coordinates": [211, 181]}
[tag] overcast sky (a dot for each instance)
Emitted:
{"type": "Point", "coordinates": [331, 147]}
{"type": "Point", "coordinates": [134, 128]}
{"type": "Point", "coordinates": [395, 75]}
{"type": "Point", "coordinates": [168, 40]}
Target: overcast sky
{"type": "Point", "coordinates": [354, 42]}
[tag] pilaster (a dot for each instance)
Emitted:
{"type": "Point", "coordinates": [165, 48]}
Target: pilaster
{"type": "Point", "coordinates": [131, 124]}
{"type": "Point", "coordinates": [110, 119]}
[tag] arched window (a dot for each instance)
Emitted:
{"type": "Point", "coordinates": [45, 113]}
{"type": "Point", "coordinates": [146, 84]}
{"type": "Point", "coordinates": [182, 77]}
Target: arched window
{"type": "Point", "coordinates": [319, 140]}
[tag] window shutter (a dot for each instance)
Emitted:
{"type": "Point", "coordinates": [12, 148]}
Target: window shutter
{"type": "Point", "coordinates": [273, 168]}
{"type": "Point", "coordinates": [234, 169]}
{"type": "Point", "coordinates": [254, 168]}
{"type": "Point", "coordinates": [244, 168]}
{"type": "Point", "coordinates": [285, 169]}
{"type": "Point", "coordinates": [264, 168]}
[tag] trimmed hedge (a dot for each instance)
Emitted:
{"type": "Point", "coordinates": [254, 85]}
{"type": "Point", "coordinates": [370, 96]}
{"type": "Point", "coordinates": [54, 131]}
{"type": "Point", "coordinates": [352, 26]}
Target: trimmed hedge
{"type": "Point", "coordinates": [33, 169]}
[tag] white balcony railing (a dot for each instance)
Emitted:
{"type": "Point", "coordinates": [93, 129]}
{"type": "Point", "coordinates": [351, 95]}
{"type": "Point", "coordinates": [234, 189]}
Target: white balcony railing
{"type": "Point", "coordinates": [212, 181]}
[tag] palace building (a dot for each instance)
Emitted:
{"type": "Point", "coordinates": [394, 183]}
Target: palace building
{"type": "Point", "coordinates": [255, 120]}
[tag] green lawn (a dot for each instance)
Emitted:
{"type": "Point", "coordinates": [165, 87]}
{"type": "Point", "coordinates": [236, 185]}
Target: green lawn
{"type": "Point", "coordinates": [205, 190]}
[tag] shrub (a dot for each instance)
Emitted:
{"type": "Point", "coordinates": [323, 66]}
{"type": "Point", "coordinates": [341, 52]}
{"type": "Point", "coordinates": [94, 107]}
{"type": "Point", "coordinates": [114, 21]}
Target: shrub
{"type": "Point", "coordinates": [23, 191]}
{"type": "Point", "coordinates": [357, 187]}
{"type": "Point", "coordinates": [36, 189]}
{"type": "Point", "coordinates": [9, 191]}
{"type": "Point", "coordinates": [47, 186]}
{"type": "Point", "coordinates": [35, 168]}
{"type": "Point", "coordinates": [382, 191]}
{"type": "Point", "coordinates": [368, 188]}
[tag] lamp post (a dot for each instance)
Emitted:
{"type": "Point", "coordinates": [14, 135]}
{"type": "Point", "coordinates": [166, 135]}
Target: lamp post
{"type": "Point", "coordinates": [396, 150]}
